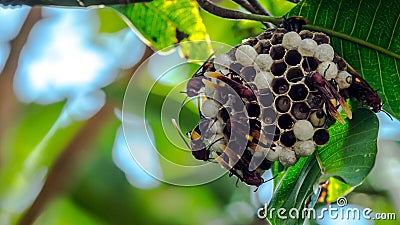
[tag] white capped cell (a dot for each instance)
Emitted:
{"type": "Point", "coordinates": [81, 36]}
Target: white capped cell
{"type": "Point", "coordinates": [291, 40]}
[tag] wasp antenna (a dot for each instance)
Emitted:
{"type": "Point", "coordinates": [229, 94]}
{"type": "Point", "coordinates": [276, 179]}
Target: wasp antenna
{"type": "Point", "coordinates": [184, 102]}
{"type": "Point", "coordinates": [220, 161]}
{"type": "Point", "coordinates": [271, 178]}
{"type": "Point", "coordinates": [352, 69]}
{"type": "Point", "coordinates": [212, 143]}
{"type": "Point", "coordinates": [180, 133]}
{"type": "Point", "coordinates": [387, 114]}
{"type": "Point", "coordinates": [215, 52]}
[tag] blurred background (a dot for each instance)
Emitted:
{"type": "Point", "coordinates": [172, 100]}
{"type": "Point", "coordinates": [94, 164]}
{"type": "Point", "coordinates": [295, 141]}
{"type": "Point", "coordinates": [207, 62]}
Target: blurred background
{"type": "Point", "coordinates": [63, 156]}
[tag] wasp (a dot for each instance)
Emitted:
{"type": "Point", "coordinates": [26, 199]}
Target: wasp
{"type": "Point", "coordinates": [329, 94]}
{"type": "Point", "coordinates": [294, 23]}
{"type": "Point", "coordinates": [195, 83]}
{"type": "Point", "coordinates": [242, 90]}
{"type": "Point", "coordinates": [199, 150]}
{"type": "Point", "coordinates": [240, 168]}
{"type": "Point", "coordinates": [362, 91]}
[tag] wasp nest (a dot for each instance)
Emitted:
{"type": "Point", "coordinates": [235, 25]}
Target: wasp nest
{"type": "Point", "coordinates": [268, 98]}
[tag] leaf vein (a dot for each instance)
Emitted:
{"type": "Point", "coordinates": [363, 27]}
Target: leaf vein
{"type": "Point", "coordinates": [337, 15]}
{"type": "Point", "coordinates": [395, 27]}
{"type": "Point", "coordinates": [355, 20]}
{"type": "Point", "coordinates": [373, 20]}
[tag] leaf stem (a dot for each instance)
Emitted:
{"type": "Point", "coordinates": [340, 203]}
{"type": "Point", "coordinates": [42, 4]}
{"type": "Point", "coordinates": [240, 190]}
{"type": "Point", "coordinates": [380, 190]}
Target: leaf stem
{"type": "Point", "coordinates": [233, 14]}
{"type": "Point", "coordinates": [352, 39]}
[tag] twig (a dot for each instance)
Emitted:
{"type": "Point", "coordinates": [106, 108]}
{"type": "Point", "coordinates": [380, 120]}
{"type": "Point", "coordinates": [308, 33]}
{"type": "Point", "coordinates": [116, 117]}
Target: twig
{"type": "Point", "coordinates": [246, 5]}
{"type": "Point", "coordinates": [233, 14]}
{"type": "Point", "coordinates": [69, 3]}
{"type": "Point", "coordinates": [259, 8]}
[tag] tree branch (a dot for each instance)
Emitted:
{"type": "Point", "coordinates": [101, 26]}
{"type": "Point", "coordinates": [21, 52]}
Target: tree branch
{"type": "Point", "coordinates": [233, 14]}
{"type": "Point", "coordinates": [245, 4]}
{"type": "Point", "coordinates": [69, 3]}
{"type": "Point", "coordinates": [259, 8]}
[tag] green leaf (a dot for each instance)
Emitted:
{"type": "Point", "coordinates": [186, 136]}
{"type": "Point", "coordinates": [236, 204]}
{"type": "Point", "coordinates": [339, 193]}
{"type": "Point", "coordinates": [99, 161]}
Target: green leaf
{"type": "Point", "coordinates": [348, 156]}
{"type": "Point", "coordinates": [367, 35]}
{"type": "Point", "coordinates": [337, 189]}
{"type": "Point", "coordinates": [351, 150]}
{"type": "Point", "coordinates": [164, 23]}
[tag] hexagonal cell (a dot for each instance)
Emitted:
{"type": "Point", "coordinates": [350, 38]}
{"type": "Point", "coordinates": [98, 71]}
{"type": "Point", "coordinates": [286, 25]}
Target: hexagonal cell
{"type": "Point", "coordinates": [266, 98]}
{"type": "Point", "coordinates": [209, 108]}
{"type": "Point", "coordinates": [287, 157]}
{"type": "Point", "coordinates": [268, 115]}
{"type": "Point", "coordinates": [270, 129]}
{"type": "Point", "coordinates": [318, 118]}
{"type": "Point", "coordinates": [252, 86]}
{"type": "Point", "coordinates": [282, 104]}
{"type": "Point", "coordinates": [250, 41]}
{"type": "Point", "coordinates": [262, 46]}
{"type": "Point", "coordinates": [340, 62]}
{"type": "Point", "coordinates": [276, 38]}
{"type": "Point", "coordinates": [306, 34]}
{"type": "Point", "coordinates": [280, 30]}
{"type": "Point", "coordinates": [253, 109]}
{"type": "Point", "coordinates": [277, 52]}
{"type": "Point", "coordinates": [235, 67]}
{"type": "Point", "coordinates": [248, 73]}
{"type": "Point", "coordinates": [300, 110]}
{"type": "Point", "coordinates": [267, 34]}
{"type": "Point", "coordinates": [298, 92]}
{"type": "Point", "coordinates": [321, 136]}
{"type": "Point", "coordinates": [321, 38]}
{"type": "Point", "coordinates": [231, 53]}
{"type": "Point", "coordinates": [280, 86]}
{"type": "Point", "coordinates": [288, 139]}
{"type": "Point", "coordinates": [292, 57]}
{"type": "Point", "coordinates": [309, 64]}
{"type": "Point", "coordinates": [291, 40]}
{"type": "Point", "coordinates": [278, 68]}
{"type": "Point", "coordinates": [303, 130]}
{"type": "Point", "coordinates": [315, 101]}
{"type": "Point", "coordinates": [294, 74]}
{"type": "Point", "coordinates": [285, 121]}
